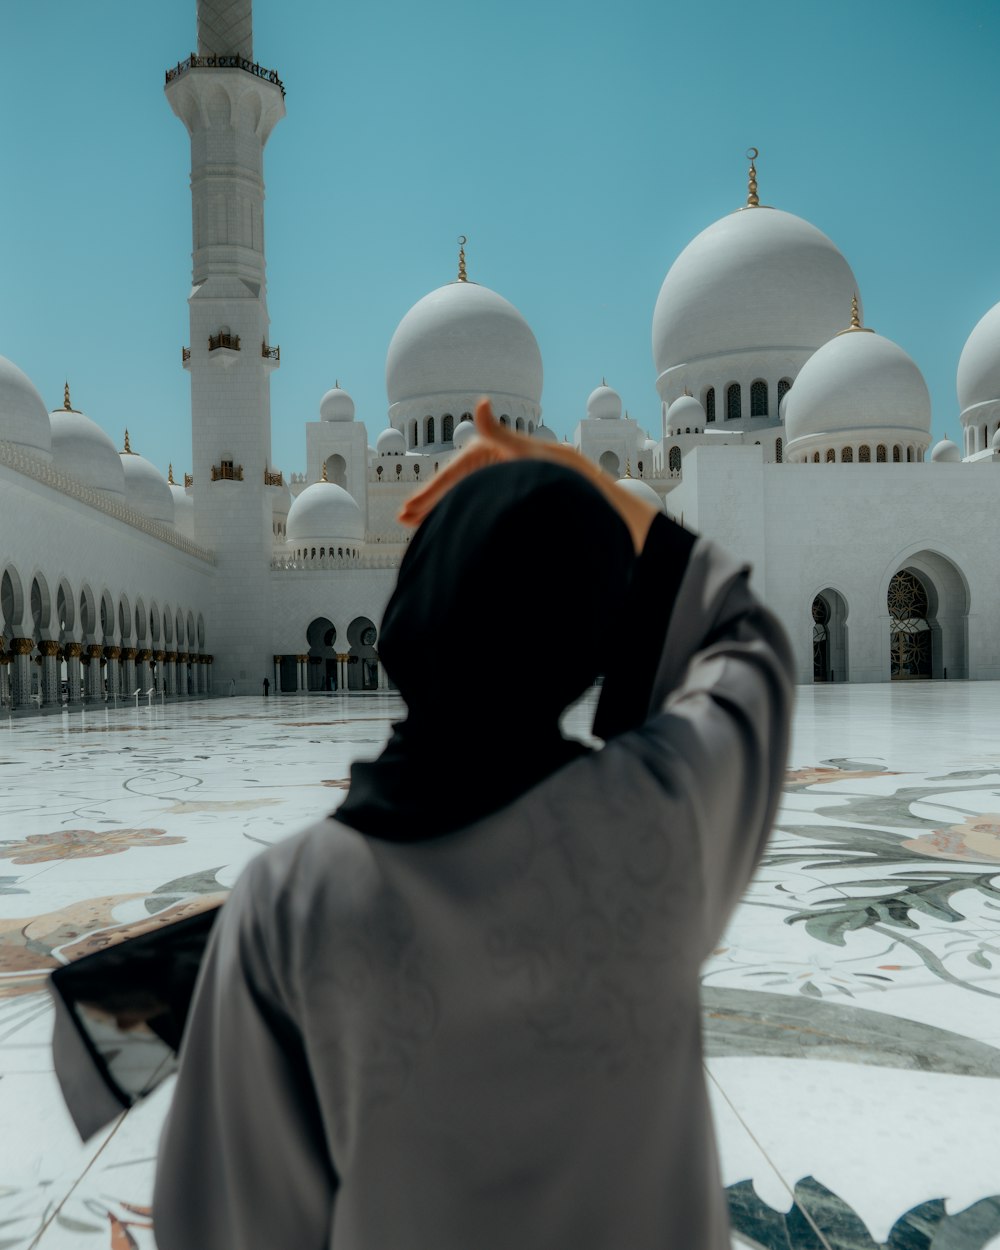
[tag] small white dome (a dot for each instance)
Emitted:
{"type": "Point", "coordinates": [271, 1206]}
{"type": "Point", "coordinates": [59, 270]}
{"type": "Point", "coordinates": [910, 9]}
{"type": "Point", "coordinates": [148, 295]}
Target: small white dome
{"type": "Point", "coordinates": [146, 489]}
{"type": "Point", "coordinates": [183, 510]}
{"type": "Point", "coordinates": [858, 383]}
{"type": "Point", "coordinates": [23, 418]}
{"type": "Point", "coordinates": [604, 404]}
{"type": "Point", "coordinates": [390, 442]}
{"type": "Point", "coordinates": [463, 432]}
{"type": "Point", "coordinates": [463, 338]}
{"type": "Point", "coordinates": [642, 490]}
{"type": "Point", "coordinates": [757, 279]}
{"type": "Point", "coordinates": [649, 444]}
{"type": "Point", "coordinates": [81, 449]}
{"type": "Point", "coordinates": [946, 451]}
{"type": "Point", "coordinates": [336, 405]}
{"type": "Point", "coordinates": [545, 434]}
{"type": "Point", "coordinates": [324, 513]}
{"type": "Point", "coordinates": [685, 413]}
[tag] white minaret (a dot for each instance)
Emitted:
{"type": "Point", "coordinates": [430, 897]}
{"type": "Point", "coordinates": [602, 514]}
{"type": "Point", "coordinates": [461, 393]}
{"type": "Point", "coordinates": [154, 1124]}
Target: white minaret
{"type": "Point", "coordinates": [230, 105]}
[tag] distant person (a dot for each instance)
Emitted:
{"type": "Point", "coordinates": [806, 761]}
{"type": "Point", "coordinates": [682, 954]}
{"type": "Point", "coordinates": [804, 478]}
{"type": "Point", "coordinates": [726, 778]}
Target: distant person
{"type": "Point", "coordinates": [462, 1013]}
{"type": "Point", "coordinates": [267, 687]}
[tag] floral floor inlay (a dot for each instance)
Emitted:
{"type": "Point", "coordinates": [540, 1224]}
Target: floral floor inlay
{"type": "Point", "coordinates": [851, 1011]}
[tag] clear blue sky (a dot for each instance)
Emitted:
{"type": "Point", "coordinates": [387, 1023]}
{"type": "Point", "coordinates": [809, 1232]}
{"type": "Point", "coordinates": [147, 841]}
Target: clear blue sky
{"type": "Point", "coordinates": [579, 145]}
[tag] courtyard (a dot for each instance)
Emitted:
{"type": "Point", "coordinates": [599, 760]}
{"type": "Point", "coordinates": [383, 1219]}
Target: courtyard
{"type": "Point", "coordinates": [851, 1013]}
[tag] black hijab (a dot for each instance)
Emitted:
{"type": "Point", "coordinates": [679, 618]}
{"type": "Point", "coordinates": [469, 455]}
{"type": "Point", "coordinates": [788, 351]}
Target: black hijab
{"type": "Point", "coordinates": [502, 616]}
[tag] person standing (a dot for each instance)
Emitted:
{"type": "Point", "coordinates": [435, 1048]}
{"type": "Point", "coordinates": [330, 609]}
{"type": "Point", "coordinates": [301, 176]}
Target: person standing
{"type": "Point", "coordinates": [467, 1014]}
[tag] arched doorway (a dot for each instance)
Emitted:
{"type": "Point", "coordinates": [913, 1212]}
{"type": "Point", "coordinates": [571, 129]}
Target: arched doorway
{"type": "Point", "coordinates": [322, 667]}
{"type": "Point", "coordinates": [362, 669]}
{"type": "Point", "coordinates": [829, 626]}
{"type": "Point", "coordinates": [928, 602]}
{"type": "Point", "coordinates": [611, 464]}
{"type": "Point", "coordinates": [336, 470]}
{"type": "Point", "coordinates": [910, 642]}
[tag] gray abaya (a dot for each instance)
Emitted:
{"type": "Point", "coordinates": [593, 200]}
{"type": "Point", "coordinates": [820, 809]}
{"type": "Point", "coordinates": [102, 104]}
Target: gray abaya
{"type": "Point", "coordinates": [491, 1040]}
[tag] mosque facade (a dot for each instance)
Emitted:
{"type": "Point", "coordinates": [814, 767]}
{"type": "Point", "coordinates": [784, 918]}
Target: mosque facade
{"type": "Point", "coordinates": [786, 429]}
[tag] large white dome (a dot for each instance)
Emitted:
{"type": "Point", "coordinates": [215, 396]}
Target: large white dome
{"type": "Point", "coordinates": [146, 488]}
{"type": "Point", "coordinates": [23, 418]}
{"type": "Point", "coordinates": [759, 278]}
{"type": "Point", "coordinates": [858, 384]}
{"type": "Point", "coordinates": [466, 339]}
{"type": "Point", "coordinates": [81, 449]}
{"type": "Point", "coordinates": [322, 513]}
{"type": "Point", "coordinates": [979, 364]}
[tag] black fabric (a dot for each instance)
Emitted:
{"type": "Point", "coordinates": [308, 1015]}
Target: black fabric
{"type": "Point", "coordinates": [649, 605]}
{"type": "Point", "coordinates": [502, 615]}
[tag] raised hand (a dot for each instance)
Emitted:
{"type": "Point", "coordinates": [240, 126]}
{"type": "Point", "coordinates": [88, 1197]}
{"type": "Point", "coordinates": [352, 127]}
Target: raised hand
{"type": "Point", "coordinates": [494, 444]}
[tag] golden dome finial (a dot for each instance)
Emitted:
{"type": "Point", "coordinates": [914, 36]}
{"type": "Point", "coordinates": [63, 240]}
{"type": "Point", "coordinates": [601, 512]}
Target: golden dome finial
{"type": "Point", "coordinates": [127, 449]}
{"type": "Point", "coordinates": [462, 274]}
{"type": "Point", "coordinates": [855, 318]}
{"type": "Point", "coordinates": [170, 475]}
{"type": "Point", "coordinates": [324, 477]}
{"type": "Point", "coordinates": [66, 404]}
{"type": "Point", "coordinates": [628, 467]}
{"type": "Point", "coordinates": [752, 200]}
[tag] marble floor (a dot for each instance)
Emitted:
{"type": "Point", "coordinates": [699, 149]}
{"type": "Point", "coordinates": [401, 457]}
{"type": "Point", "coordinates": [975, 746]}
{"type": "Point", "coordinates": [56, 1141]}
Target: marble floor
{"type": "Point", "coordinates": [852, 1011]}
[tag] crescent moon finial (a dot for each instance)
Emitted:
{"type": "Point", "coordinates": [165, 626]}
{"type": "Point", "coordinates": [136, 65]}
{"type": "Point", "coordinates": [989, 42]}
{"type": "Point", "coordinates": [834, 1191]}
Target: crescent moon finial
{"type": "Point", "coordinates": [752, 199]}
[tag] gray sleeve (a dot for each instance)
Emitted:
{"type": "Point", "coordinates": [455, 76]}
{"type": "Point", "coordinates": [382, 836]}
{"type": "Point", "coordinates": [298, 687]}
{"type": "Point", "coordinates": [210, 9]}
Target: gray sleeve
{"type": "Point", "coordinates": [243, 1164]}
{"type": "Point", "coordinates": [715, 740]}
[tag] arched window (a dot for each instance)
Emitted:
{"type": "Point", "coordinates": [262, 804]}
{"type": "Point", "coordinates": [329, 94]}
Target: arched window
{"type": "Point", "coordinates": [864, 454]}
{"type": "Point", "coordinates": [709, 404]}
{"type": "Point", "coordinates": [675, 460]}
{"type": "Point", "coordinates": [880, 453]}
{"type": "Point", "coordinates": [447, 428]}
{"type": "Point", "coordinates": [778, 450]}
{"type": "Point", "coordinates": [531, 427]}
{"type": "Point", "coordinates": [412, 435]}
{"type": "Point", "coordinates": [909, 455]}
{"type": "Point", "coordinates": [815, 457]}
{"type": "Point", "coordinates": [831, 455]}
{"type": "Point", "coordinates": [758, 398]}
{"type": "Point", "coordinates": [429, 431]}
{"type": "Point", "coordinates": [734, 402]}
{"type": "Point", "coordinates": [896, 457]}
{"type": "Point", "coordinates": [784, 386]}
{"type": "Point", "coordinates": [504, 419]}
{"type": "Point", "coordinates": [847, 456]}
{"type": "Point", "coordinates": [638, 465]}
{"type": "Point", "coordinates": [519, 425]}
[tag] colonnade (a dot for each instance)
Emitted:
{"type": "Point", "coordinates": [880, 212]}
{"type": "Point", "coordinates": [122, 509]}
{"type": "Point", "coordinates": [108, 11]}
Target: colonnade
{"type": "Point", "coordinates": [96, 673]}
{"type": "Point", "coordinates": [302, 662]}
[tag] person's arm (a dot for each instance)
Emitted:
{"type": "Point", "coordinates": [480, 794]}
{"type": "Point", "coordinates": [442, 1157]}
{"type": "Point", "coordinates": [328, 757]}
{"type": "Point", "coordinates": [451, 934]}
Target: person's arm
{"type": "Point", "coordinates": [702, 733]}
{"type": "Point", "coordinates": [243, 1163]}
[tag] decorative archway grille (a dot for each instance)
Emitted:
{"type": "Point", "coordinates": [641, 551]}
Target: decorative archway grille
{"type": "Point", "coordinates": [909, 628]}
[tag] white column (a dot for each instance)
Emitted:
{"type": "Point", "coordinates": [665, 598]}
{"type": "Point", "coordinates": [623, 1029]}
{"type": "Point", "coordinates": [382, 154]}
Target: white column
{"type": "Point", "coordinates": [73, 670]}
{"type": "Point", "coordinates": [51, 685]}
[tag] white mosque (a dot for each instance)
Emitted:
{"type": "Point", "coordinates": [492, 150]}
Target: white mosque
{"type": "Point", "coordinates": [787, 430]}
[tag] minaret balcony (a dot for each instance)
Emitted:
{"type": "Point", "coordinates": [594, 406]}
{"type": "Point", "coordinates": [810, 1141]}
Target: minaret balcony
{"type": "Point", "coordinates": [225, 62]}
{"type": "Point", "coordinates": [271, 355]}
{"type": "Point", "coordinates": [186, 358]}
{"type": "Point", "coordinates": [223, 348]}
